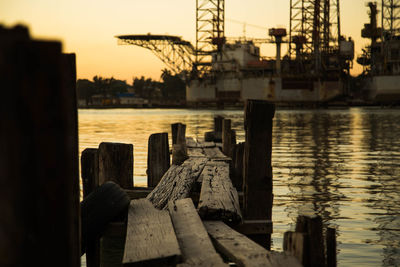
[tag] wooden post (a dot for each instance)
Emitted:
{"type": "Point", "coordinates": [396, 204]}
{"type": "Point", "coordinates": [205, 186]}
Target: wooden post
{"type": "Point", "coordinates": [218, 128]}
{"type": "Point", "coordinates": [312, 227]}
{"type": "Point", "coordinates": [158, 160]}
{"type": "Point", "coordinates": [39, 192]}
{"type": "Point", "coordinates": [237, 174]}
{"type": "Point", "coordinates": [257, 199]}
{"type": "Point", "coordinates": [226, 137]}
{"type": "Point", "coordinates": [90, 180]}
{"type": "Point", "coordinates": [331, 247]}
{"type": "Point", "coordinates": [179, 149]}
{"type": "Point", "coordinates": [89, 170]}
{"type": "Point", "coordinates": [178, 131]}
{"type": "Point", "coordinates": [116, 164]}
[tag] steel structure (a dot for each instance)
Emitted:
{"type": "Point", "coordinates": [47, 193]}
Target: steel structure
{"type": "Point", "coordinates": [390, 18]}
{"type": "Point", "coordinates": [210, 30]}
{"type": "Point", "coordinates": [176, 53]}
{"type": "Point", "coordinates": [314, 26]}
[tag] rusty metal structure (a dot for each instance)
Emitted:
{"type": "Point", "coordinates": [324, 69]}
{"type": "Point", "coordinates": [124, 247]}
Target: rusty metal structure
{"type": "Point", "coordinates": [172, 50]}
{"type": "Point", "coordinates": [314, 30]}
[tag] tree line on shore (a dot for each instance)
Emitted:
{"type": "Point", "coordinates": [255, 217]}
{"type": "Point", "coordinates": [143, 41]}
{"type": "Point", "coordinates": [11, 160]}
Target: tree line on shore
{"type": "Point", "coordinates": [171, 87]}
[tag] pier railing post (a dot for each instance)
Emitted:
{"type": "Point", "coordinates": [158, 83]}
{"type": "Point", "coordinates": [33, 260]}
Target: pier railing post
{"type": "Point", "coordinates": [39, 192]}
{"type": "Point", "coordinates": [158, 159]}
{"type": "Point", "coordinates": [257, 172]}
{"type": "Point", "coordinates": [116, 164]}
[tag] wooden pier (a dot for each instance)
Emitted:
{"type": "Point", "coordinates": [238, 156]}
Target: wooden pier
{"type": "Point", "coordinates": [211, 207]}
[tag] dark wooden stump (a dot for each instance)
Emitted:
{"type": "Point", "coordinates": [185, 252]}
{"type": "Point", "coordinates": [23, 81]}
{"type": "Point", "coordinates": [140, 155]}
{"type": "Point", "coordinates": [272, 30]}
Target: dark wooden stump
{"type": "Point", "coordinates": [116, 164]}
{"type": "Point", "coordinates": [158, 160]}
{"type": "Point", "coordinates": [39, 192]}
{"type": "Point", "coordinates": [257, 201]}
{"type": "Point", "coordinates": [218, 128]}
{"type": "Point", "coordinates": [331, 247]}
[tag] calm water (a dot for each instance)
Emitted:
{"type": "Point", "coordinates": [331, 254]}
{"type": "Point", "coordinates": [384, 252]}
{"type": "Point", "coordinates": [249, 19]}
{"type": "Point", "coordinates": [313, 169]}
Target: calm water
{"type": "Point", "coordinates": [341, 164]}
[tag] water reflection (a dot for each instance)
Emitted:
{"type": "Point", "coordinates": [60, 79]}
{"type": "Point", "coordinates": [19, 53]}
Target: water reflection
{"type": "Point", "coordinates": [340, 164]}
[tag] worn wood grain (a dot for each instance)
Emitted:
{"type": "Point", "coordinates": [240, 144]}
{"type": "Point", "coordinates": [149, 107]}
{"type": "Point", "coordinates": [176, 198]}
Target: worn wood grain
{"type": "Point", "coordinates": [177, 182]}
{"type": "Point", "coordinates": [205, 144]}
{"type": "Point", "coordinates": [195, 152]}
{"type": "Point", "coordinates": [254, 227]}
{"type": "Point", "coordinates": [226, 137]}
{"type": "Point", "coordinates": [218, 198]}
{"type": "Point", "coordinates": [242, 250]}
{"type": "Point", "coordinates": [197, 248]}
{"type": "Point", "coordinates": [215, 153]}
{"type": "Point", "coordinates": [150, 236]}
{"type": "Point", "coordinates": [190, 142]}
{"type": "Point", "coordinates": [138, 192]}
{"type": "Point", "coordinates": [116, 164]}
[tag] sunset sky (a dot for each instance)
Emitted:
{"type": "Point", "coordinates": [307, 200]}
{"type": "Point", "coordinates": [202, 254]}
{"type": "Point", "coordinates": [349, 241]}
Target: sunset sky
{"type": "Point", "coordinates": [88, 27]}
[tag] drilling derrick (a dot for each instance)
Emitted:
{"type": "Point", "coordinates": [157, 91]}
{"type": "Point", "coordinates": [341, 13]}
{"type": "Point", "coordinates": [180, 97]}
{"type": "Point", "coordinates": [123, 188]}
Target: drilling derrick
{"type": "Point", "coordinates": [210, 31]}
{"type": "Point", "coordinates": [390, 18]}
{"type": "Point", "coordinates": [314, 31]}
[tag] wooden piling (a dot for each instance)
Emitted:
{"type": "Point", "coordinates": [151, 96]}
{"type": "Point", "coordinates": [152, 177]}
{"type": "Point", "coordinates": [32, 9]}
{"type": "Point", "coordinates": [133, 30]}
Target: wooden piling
{"type": "Point", "coordinates": [331, 260]}
{"type": "Point", "coordinates": [312, 228]}
{"type": "Point", "coordinates": [237, 162]}
{"type": "Point", "coordinates": [116, 164]}
{"type": "Point", "coordinates": [257, 200]}
{"type": "Point", "coordinates": [218, 128]}
{"type": "Point", "coordinates": [226, 137]}
{"type": "Point", "coordinates": [39, 196]}
{"type": "Point", "coordinates": [158, 160]}
{"type": "Point", "coordinates": [179, 149]}
{"type": "Point", "coordinates": [90, 180]}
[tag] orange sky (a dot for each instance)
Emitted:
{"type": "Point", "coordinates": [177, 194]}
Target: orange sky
{"type": "Point", "coordinates": [88, 27]}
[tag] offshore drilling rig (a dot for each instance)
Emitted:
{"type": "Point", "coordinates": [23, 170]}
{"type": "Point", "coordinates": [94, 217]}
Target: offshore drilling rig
{"type": "Point", "coordinates": [230, 70]}
{"type": "Point", "coordinates": [381, 58]}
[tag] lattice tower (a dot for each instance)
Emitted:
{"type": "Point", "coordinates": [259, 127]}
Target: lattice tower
{"type": "Point", "coordinates": [210, 30]}
{"type": "Point", "coordinates": [390, 18]}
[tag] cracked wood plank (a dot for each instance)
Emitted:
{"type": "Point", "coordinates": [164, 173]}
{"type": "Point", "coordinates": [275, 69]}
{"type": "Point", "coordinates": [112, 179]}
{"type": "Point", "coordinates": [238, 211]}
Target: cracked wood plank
{"type": "Point", "coordinates": [177, 182]}
{"type": "Point", "coordinates": [150, 236]}
{"type": "Point", "coordinates": [242, 250]}
{"type": "Point", "coordinates": [219, 200]}
{"type": "Point", "coordinates": [197, 248]}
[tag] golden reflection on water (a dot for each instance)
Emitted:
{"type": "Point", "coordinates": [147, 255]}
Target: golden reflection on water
{"type": "Point", "coordinates": [341, 164]}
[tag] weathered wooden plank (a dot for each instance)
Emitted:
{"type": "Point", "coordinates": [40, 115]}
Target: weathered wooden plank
{"type": "Point", "coordinates": [158, 160]}
{"type": "Point", "coordinates": [218, 128]}
{"type": "Point", "coordinates": [215, 154]}
{"type": "Point", "coordinates": [243, 251]}
{"type": "Point", "coordinates": [177, 182]}
{"type": "Point", "coordinates": [218, 198]}
{"type": "Point", "coordinates": [191, 143]}
{"type": "Point", "coordinates": [195, 152]}
{"type": "Point", "coordinates": [116, 164]}
{"type": "Point", "coordinates": [150, 236]}
{"type": "Point", "coordinates": [237, 176]}
{"type": "Point", "coordinates": [205, 144]}
{"type": "Point", "coordinates": [196, 246]}
{"type": "Point", "coordinates": [254, 227]}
